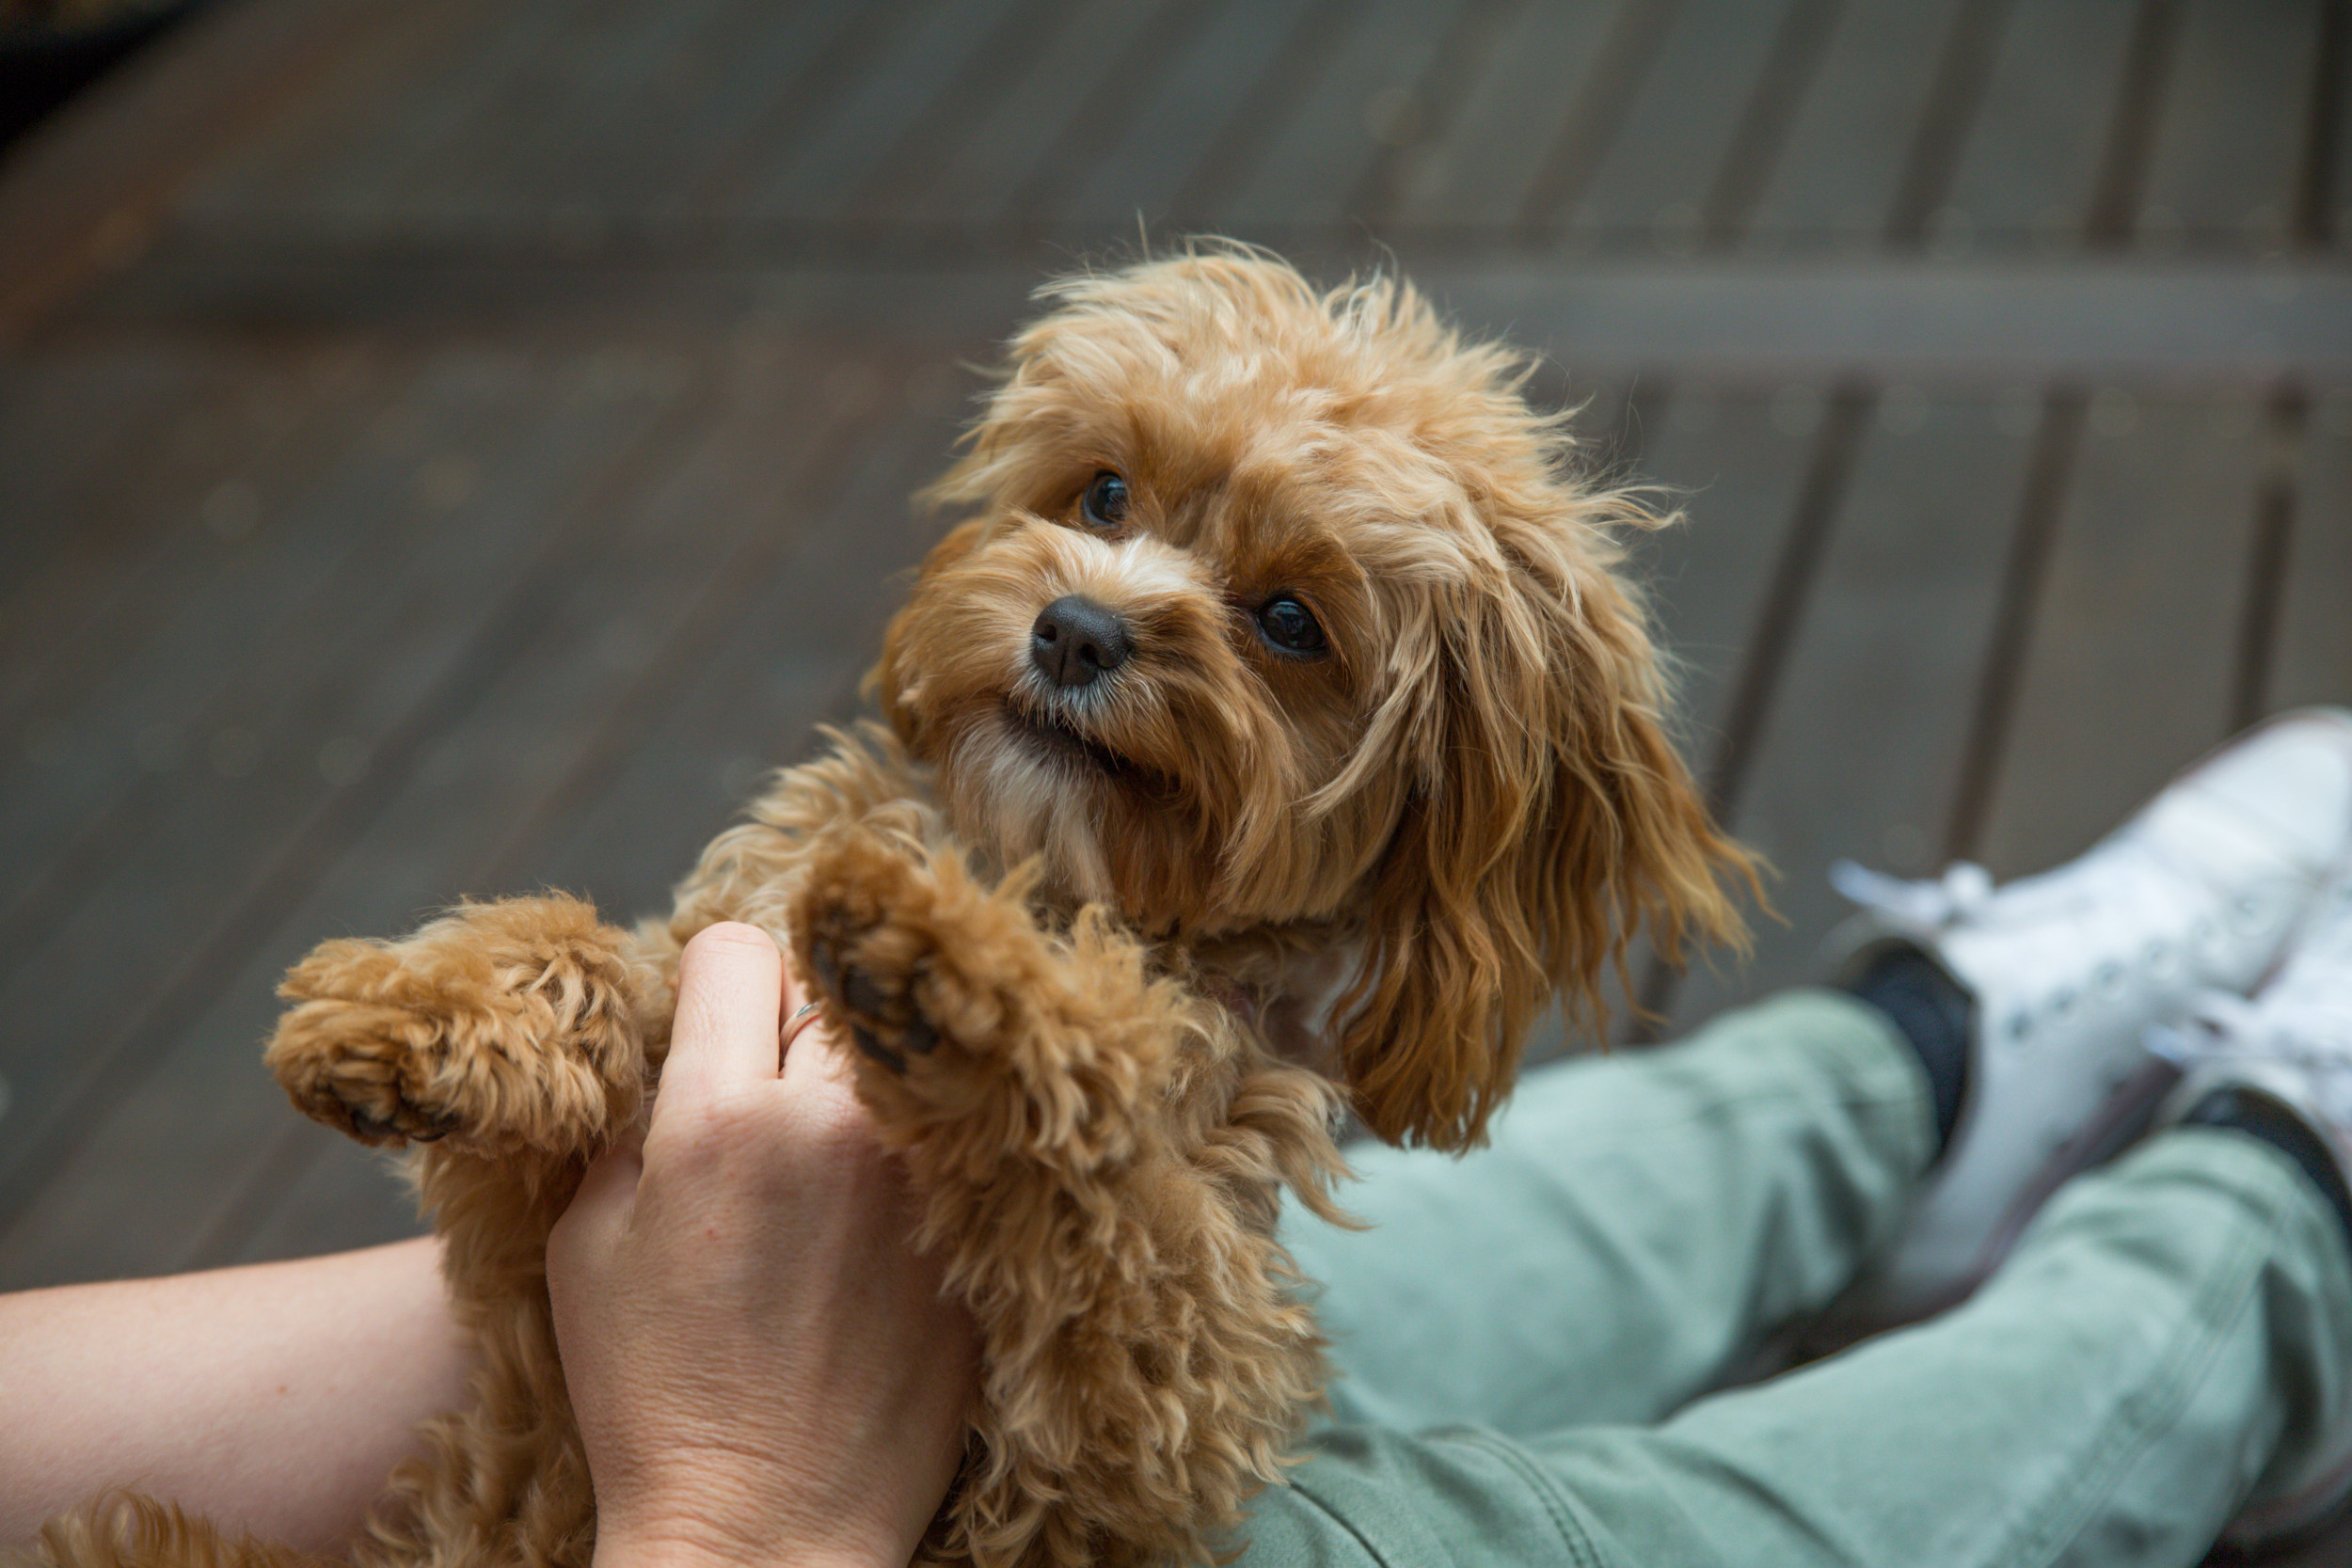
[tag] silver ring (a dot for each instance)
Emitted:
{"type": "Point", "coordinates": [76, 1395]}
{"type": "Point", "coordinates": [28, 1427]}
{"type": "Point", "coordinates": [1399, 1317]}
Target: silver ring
{"type": "Point", "coordinates": [797, 1022]}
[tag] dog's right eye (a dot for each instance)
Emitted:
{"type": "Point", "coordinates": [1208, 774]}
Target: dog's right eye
{"type": "Point", "coordinates": [1105, 500]}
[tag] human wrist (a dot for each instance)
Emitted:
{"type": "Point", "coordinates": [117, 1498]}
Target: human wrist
{"type": "Point", "coordinates": [703, 1522]}
{"type": "Point", "coordinates": [705, 1548]}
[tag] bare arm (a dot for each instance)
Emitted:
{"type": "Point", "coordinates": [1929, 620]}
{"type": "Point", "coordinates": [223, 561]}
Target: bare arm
{"type": "Point", "coordinates": [275, 1398]}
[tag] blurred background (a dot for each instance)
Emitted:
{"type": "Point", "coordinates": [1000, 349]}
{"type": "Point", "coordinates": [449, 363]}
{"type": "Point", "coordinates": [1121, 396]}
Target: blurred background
{"type": "Point", "coordinates": [455, 449]}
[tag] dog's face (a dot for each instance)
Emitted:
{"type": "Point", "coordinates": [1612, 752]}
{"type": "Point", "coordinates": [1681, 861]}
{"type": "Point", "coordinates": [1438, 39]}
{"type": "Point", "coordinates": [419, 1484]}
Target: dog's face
{"type": "Point", "coordinates": [1283, 607]}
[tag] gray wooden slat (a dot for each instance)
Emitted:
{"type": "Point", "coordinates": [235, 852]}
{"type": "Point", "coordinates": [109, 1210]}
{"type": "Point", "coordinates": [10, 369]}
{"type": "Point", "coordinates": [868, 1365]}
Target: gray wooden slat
{"type": "Point", "coordinates": [379, 678]}
{"type": "Point", "coordinates": [772, 73]}
{"type": "Point", "coordinates": [596, 657]}
{"type": "Point", "coordinates": [968, 177]}
{"type": "Point", "coordinates": [357, 113]}
{"type": "Point", "coordinates": [61, 415]}
{"type": "Point", "coordinates": [89, 194]}
{"type": "Point", "coordinates": [2311, 653]}
{"type": "Point", "coordinates": [608, 89]}
{"type": "Point", "coordinates": [472, 182]}
{"type": "Point", "coordinates": [2228, 146]}
{"type": "Point", "coordinates": [1409, 123]}
{"type": "Point", "coordinates": [2033, 152]}
{"type": "Point", "coordinates": [208, 487]}
{"type": "Point", "coordinates": [830, 167]}
{"type": "Point", "coordinates": [793, 661]}
{"type": "Point", "coordinates": [2128, 672]}
{"type": "Point", "coordinates": [1650, 188]}
{"type": "Point", "coordinates": [1860, 757]}
{"type": "Point", "coordinates": [333, 1195]}
{"type": "Point", "coordinates": [327, 553]}
{"type": "Point", "coordinates": [1166, 136]}
{"type": "Point", "coordinates": [1835, 183]}
{"type": "Point", "coordinates": [1477, 174]}
{"type": "Point", "coordinates": [1326, 145]}
{"type": "Point", "coordinates": [395, 176]}
{"type": "Point", "coordinates": [1056, 49]}
{"type": "Point", "coordinates": [1732, 460]}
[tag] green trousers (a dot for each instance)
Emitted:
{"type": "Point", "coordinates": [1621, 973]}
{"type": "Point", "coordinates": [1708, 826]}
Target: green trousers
{"type": "Point", "coordinates": [1525, 1339]}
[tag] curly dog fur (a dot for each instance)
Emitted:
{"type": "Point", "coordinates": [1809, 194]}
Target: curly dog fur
{"type": "Point", "coordinates": [1275, 734]}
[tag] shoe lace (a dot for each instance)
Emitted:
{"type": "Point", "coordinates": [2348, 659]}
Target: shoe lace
{"type": "Point", "coordinates": [1935, 902]}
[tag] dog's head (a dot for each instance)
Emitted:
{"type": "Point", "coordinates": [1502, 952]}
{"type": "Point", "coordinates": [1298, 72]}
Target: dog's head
{"type": "Point", "coordinates": [1285, 608]}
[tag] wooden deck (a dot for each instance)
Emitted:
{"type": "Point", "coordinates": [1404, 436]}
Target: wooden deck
{"type": "Point", "coordinates": [449, 448]}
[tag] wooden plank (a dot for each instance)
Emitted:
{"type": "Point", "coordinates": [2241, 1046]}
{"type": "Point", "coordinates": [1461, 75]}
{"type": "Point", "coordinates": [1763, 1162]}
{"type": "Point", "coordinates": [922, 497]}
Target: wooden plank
{"type": "Point", "coordinates": [1408, 125]}
{"type": "Point", "coordinates": [2229, 144]}
{"type": "Point", "coordinates": [1733, 457]}
{"type": "Point", "coordinates": [2143, 599]}
{"type": "Point", "coordinates": [359, 108]}
{"type": "Point", "coordinates": [399, 179]}
{"type": "Point", "coordinates": [1326, 145]}
{"type": "Point", "coordinates": [1207, 99]}
{"type": "Point", "coordinates": [967, 176]}
{"type": "Point", "coordinates": [765, 76]}
{"type": "Point", "coordinates": [1476, 175]}
{"type": "Point", "coordinates": [544, 155]}
{"type": "Point", "coordinates": [63, 417]}
{"type": "Point", "coordinates": [773, 119]}
{"type": "Point", "coordinates": [1861, 755]}
{"type": "Point", "coordinates": [153, 712]}
{"type": "Point", "coordinates": [2034, 150]}
{"type": "Point", "coordinates": [331, 1195]}
{"type": "Point", "coordinates": [792, 660]}
{"type": "Point", "coordinates": [86, 196]}
{"type": "Point", "coordinates": [597, 659]}
{"type": "Point", "coordinates": [828, 168]}
{"type": "Point", "coordinates": [1648, 185]}
{"type": "Point", "coordinates": [208, 488]}
{"type": "Point", "coordinates": [401, 662]}
{"type": "Point", "coordinates": [1835, 182]}
{"type": "Point", "coordinates": [2312, 655]}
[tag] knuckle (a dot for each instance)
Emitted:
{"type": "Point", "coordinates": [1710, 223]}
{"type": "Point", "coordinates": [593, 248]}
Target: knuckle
{"type": "Point", "coordinates": [731, 939]}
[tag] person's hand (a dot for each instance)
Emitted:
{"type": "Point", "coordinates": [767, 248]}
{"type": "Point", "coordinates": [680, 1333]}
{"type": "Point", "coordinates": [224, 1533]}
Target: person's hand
{"type": "Point", "coordinates": [761, 1365]}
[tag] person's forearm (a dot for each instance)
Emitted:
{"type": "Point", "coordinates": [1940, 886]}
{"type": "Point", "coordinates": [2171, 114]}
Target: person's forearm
{"type": "Point", "coordinates": [275, 1398]}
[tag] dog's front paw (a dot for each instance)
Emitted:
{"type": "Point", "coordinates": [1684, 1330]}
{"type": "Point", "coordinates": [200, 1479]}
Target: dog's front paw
{"type": "Point", "coordinates": [363, 1062]}
{"type": "Point", "coordinates": [877, 1008]}
{"type": "Point", "coordinates": [502, 1027]}
{"type": "Point", "coordinates": [920, 968]}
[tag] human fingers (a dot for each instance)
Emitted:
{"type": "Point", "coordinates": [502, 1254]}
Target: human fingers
{"type": "Point", "coordinates": [730, 995]}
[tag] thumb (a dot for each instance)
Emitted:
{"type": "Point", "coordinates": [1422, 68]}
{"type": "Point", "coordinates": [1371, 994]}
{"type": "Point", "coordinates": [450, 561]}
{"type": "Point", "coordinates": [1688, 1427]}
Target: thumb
{"type": "Point", "coordinates": [600, 1205]}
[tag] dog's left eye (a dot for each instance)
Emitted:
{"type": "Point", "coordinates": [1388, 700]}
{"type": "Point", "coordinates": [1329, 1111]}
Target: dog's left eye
{"type": "Point", "coordinates": [1291, 626]}
{"type": "Point", "coordinates": [1105, 500]}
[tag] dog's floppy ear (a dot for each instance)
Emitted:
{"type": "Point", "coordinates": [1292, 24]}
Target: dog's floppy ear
{"type": "Point", "coordinates": [1550, 818]}
{"type": "Point", "coordinates": [885, 684]}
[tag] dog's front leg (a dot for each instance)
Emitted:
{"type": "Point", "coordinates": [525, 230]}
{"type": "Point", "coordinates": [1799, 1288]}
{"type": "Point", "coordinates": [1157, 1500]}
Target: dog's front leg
{"type": "Point", "coordinates": [504, 1029]}
{"type": "Point", "coordinates": [1099, 1154]}
{"type": "Point", "coordinates": [510, 1040]}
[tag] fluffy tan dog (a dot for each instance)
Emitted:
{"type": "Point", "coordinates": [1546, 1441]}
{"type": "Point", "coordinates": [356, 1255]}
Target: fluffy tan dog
{"type": "Point", "coordinates": [1276, 737]}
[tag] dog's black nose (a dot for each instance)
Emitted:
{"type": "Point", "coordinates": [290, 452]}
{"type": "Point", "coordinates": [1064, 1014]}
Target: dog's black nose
{"type": "Point", "coordinates": [1076, 639]}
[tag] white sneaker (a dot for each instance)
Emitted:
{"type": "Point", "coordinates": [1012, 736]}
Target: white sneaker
{"type": "Point", "coordinates": [2292, 1041]}
{"type": "Point", "coordinates": [2200, 890]}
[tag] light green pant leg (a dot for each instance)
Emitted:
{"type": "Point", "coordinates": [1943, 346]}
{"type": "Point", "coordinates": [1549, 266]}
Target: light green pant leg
{"type": "Point", "coordinates": [2174, 1332]}
{"type": "Point", "coordinates": [1637, 1222]}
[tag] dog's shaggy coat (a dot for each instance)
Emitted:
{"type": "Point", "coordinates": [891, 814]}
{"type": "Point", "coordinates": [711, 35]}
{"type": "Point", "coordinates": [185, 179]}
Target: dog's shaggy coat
{"type": "Point", "coordinates": [1357, 764]}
